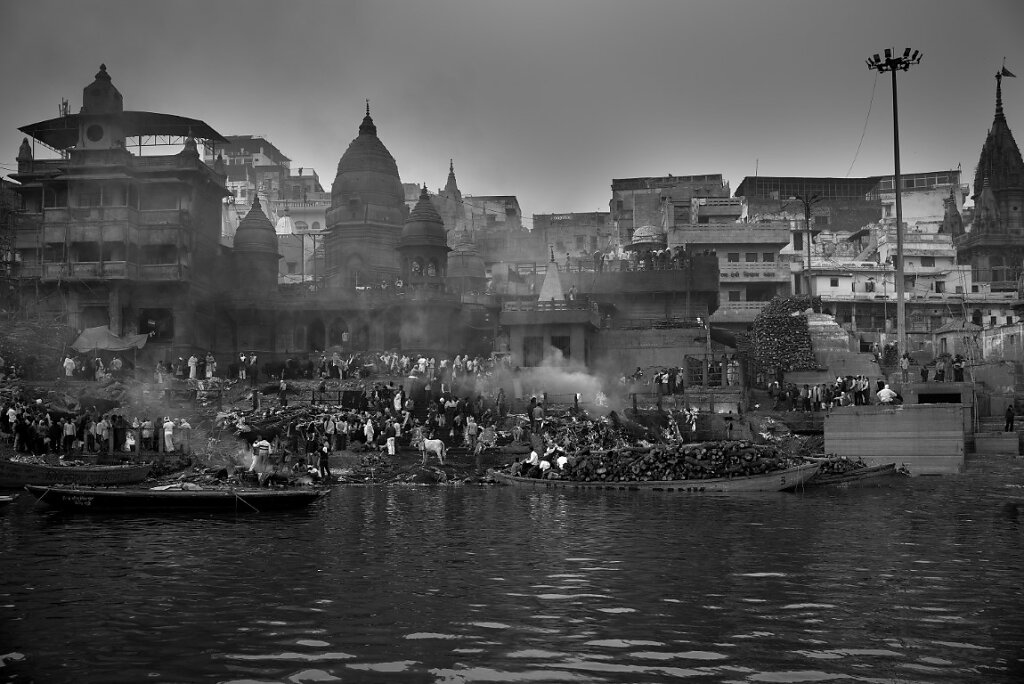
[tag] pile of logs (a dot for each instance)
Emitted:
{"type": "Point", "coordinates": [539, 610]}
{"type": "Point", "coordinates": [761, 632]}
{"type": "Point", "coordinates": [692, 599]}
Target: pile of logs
{"type": "Point", "coordinates": [703, 461]}
{"type": "Point", "coordinates": [780, 337]}
{"type": "Point", "coordinates": [840, 466]}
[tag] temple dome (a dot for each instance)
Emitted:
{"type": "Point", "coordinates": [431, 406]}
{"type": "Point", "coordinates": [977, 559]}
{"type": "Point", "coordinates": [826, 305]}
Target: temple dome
{"type": "Point", "coordinates": [464, 261]}
{"type": "Point", "coordinates": [649, 236]}
{"type": "Point", "coordinates": [424, 227]}
{"type": "Point", "coordinates": [255, 232]}
{"type": "Point", "coordinates": [367, 172]}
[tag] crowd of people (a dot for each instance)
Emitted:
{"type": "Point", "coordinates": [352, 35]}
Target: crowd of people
{"type": "Point", "coordinates": [33, 429]}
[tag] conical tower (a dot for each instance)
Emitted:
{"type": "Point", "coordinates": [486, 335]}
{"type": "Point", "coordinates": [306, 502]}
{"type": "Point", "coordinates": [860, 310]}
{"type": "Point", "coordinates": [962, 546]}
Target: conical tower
{"type": "Point", "coordinates": [364, 223]}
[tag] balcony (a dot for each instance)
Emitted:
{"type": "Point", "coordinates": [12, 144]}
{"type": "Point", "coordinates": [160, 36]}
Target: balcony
{"type": "Point", "coordinates": [172, 272]}
{"type": "Point", "coordinates": [550, 313]}
{"type": "Point", "coordinates": [89, 270]}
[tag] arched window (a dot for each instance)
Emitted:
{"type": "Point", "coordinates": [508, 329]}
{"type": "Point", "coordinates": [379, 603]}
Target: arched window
{"type": "Point", "coordinates": [316, 225]}
{"type": "Point", "coordinates": [301, 227]}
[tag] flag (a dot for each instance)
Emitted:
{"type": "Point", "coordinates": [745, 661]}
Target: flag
{"type": "Point", "coordinates": [1007, 72]}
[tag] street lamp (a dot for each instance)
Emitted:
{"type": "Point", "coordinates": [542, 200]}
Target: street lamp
{"type": "Point", "coordinates": [893, 63]}
{"type": "Point", "coordinates": [807, 202]}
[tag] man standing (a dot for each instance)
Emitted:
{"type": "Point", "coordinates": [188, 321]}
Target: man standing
{"type": "Point", "coordinates": [1009, 419]}
{"type": "Point", "coordinates": [193, 365]}
{"type": "Point", "coordinates": [241, 365]}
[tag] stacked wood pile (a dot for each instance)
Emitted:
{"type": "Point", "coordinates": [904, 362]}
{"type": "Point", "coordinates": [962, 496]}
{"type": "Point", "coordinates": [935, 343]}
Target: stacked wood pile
{"type": "Point", "coordinates": [780, 338]}
{"type": "Point", "coordinates": [840, 466]}
{"type": "Point", "coordinates": [703, 461]}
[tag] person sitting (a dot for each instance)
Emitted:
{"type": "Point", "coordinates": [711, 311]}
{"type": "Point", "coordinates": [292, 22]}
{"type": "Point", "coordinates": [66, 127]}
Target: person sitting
{"type": "Point", "coordinates": [531, 466]}
{"type": "Point", "coordinates": [886, 396]}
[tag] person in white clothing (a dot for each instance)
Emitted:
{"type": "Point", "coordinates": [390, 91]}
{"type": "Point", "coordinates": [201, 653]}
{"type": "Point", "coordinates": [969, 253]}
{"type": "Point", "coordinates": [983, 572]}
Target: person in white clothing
{"type": "Point", "coordinates": [168, 435]}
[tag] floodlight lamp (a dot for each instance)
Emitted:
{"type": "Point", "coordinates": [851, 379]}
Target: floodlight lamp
{"type": "Point", "coordinates": [906, 53]}
{"type": "Point", "coordinates": [916, 57]}
{"type": "Point", "coordinates": [877, 58]}
{"type": "Point", "coordinates": [888, 53]}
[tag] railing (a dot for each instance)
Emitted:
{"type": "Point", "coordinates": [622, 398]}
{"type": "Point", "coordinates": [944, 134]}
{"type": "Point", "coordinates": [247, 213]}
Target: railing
{"type": "Point", "coordinates": [163, 272]}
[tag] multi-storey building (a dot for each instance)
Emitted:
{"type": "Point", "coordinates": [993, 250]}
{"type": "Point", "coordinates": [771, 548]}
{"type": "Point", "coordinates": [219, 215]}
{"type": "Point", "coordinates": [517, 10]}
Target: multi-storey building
{"type": "Point", "coordinates": [119, 239]}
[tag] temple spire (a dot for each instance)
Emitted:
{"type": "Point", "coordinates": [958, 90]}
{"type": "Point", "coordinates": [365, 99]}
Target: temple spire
{"type": "Point", "coordinates": [999, 96]}
{"type": "Point", "coordinates": [367, 127]}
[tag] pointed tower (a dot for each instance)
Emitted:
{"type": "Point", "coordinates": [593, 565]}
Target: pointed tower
{"type": "Point", "coordinates": [427, 312]}
{"type": "Point", "coordinates": [255, 252]}
{"type": "Point", "coordinates": [424, 247]}
{"type": "Point", "coordinates": [364, 222]}
{"type": "Point", "coordinates": [994, 243]}
{"type": "Point", "coordinates": [450, 206]}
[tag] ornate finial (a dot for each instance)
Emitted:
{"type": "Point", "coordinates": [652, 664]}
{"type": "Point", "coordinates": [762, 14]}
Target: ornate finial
{"type": "Point", "coordinates": [255, 201]}
{"type": "Point", "coordinates": [102, 73]}
{"type": "Point", "coordinates": [552, 253]}
{"type": "Point", "coordinates": [451, 165]}
{"type": "Point", "coordinates": [367, 127]}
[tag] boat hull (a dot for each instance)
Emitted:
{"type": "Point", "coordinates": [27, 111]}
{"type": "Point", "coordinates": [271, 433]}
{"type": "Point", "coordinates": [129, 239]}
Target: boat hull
{"type": "Point", "coordinates": [169, 501]}
{"type": "Point", "coordinates": [777, 481]}
{"type": "Point", "coordinates": [872, 476]}
{"type": "Point", "coordinates": [18, 474]}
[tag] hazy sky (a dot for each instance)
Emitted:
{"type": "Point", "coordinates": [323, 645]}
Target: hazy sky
{"type": "Point", "coordinates": [547, 100]}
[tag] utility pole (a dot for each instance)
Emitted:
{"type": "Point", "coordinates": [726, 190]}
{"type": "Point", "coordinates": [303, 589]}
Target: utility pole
{"type": "Point", "coordinates": [893, 63]}
{"type": "Point", "coordinates": [807, 203]}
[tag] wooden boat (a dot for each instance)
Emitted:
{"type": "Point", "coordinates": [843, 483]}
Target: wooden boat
{"type": "Point", "coordinates": [7, 499]}
{"type": "Point", "coordinates": [776, 481]}
{"type": "Point", "coordinates": [160, 500]}
{"type": "Point", "coordinates": [20, 473]}
{"type": "Point", "coordinates": [861, 477]}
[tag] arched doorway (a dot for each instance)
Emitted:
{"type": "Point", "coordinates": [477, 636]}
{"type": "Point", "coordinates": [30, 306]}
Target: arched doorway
{"type": "Point", "coordinates": [336, 334]}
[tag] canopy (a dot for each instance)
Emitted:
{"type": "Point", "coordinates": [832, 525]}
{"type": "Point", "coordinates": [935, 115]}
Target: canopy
{"type": "Point", "coordinates": [101, 338]}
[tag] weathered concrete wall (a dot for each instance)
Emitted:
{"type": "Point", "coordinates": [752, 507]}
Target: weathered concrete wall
{"type": "Point", "coordinates": [626, 349]}
{"type": "Point", "coordinates": [928, 438]}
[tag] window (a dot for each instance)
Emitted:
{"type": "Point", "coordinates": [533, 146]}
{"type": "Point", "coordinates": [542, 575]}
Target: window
{"type": "Point", "coordinates": [159, 254]}
{"type": "Point", "coordinates": [733, 257]}
{"type": "Point", "coordinates": [734, 296]}
{"type": "Point", "coordinates": [581, 242]}
{"type": "Point", "coordinates": [751, 257]}
{"type": "Point", "coordinates": [833, 282]}
{"type": "Point", "coordinates": [768, 257]}
{"type": "Point", "coordinates": [992, 320]}
{"type": "Point", "coordinates": [292, 267]}
{"type": "Point", "coordinates": [1009, 320]}
{"type": "Point", "coordinates": [798, 241]}
{"type": "Point", "coordinates": [821, 220]}
{"type": "Point", "coordinates": [940, 286]}
{"type": "Point", "coordinates": [927, 261]}
{"type": "Point", "coordinates": [562, 344]}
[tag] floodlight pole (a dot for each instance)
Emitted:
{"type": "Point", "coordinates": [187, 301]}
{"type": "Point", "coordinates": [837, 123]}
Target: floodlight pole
{"type": "Point", "coordinates": [893, 63]}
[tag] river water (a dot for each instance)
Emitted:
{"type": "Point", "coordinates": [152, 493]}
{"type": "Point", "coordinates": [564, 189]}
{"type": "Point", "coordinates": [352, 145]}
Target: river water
{"type": "Point", "coordinates": [920, 581]}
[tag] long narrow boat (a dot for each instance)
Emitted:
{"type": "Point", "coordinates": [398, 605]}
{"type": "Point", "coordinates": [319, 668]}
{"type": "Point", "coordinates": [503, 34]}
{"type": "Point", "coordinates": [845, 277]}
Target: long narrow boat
{"type": "Point", "coordinates": [19, 473]}
{"type": "Point", "coordinates": [776, 481]}
{"type": "Point", "coordinates": [7, 499]}
{"type": "Point", "coordinates": [235, 500]}
{"type": "Point", "coordinates": [861, 477]}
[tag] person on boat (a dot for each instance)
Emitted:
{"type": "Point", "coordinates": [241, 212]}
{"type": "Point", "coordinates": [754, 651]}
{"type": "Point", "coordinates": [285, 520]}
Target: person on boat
{"type": "Point", "coordinates": [261, 464]}
{"type": "Point", "coordinates": [886, 396]}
